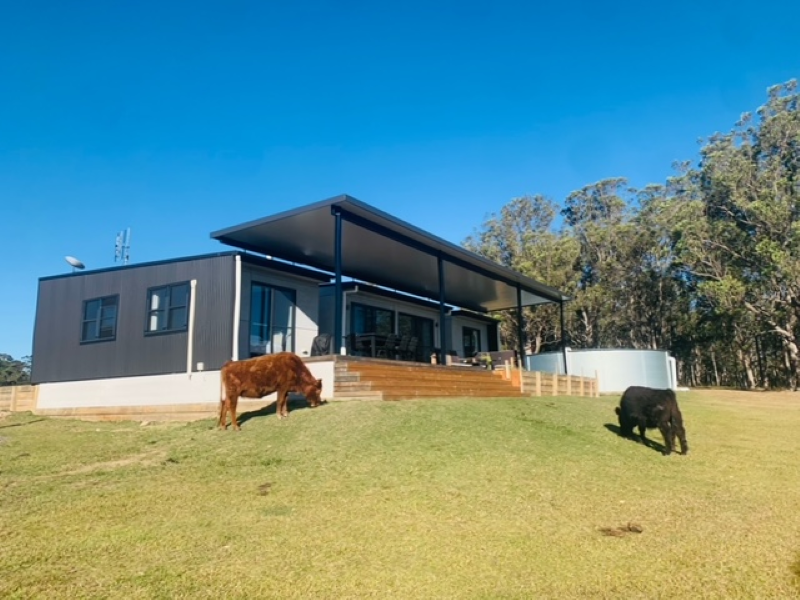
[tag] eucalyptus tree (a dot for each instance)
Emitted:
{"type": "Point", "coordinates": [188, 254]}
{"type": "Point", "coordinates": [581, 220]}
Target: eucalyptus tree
{"type": "Point", "coordinates": [598, 217]}
{"type": "Point", "coordinates": [14, 371]}
{"type": "Point", "coordinates": [522, 237]}
{"type": "Point", "coordinates": [742, 240]}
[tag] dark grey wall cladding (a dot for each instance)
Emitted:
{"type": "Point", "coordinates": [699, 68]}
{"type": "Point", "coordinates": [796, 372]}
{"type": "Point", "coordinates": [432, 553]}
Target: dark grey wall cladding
{"type": "Point", "coordinates": [327, 308]}
{"type": "Point", "coordinates": [58, 354]}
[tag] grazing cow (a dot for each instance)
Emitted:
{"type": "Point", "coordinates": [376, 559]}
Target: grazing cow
{"type": "Point", "coordinates": [648, 408]}
{"type": "Point", "coordinates": [283, 372]}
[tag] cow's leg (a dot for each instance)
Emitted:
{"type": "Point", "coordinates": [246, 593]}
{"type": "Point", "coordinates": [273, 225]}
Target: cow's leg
{"type": "Point", "coordinates": [284, 405]}
{"type": "Point", "coordinates": [642, 429]}
{"type": "Point", "coordinates": [232, 402]}
{"type": "Point", "coordinates": [223, 416]}
{"type": "Point", "coordinates": [279, 404]}
{"type": "Point", "coordinates": [677, 428]}
{"type": "Point", "coordinates": [669, 436]}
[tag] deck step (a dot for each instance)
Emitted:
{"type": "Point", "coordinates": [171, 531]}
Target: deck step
{"type": "Point", "coordinates": [396, 380]}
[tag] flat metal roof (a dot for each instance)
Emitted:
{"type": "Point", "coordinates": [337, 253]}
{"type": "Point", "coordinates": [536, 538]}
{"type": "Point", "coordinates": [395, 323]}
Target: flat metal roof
{"type": "Point", "coordinates": [381, 249]}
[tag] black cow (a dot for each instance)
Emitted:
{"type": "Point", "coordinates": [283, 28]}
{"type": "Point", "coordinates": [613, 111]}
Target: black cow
{"type": "Point", "coordinates": [648, 408]}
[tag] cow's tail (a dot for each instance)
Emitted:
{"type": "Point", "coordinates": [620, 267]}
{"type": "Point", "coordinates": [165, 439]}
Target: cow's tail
{"type": "Point", "coordinates": [222, 388]}
{"type": "Point", "coordinates": [222, 395]}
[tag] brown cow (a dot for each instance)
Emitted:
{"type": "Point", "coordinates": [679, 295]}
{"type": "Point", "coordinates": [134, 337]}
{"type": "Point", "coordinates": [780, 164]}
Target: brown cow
{"type": "Point", "coordinates": [283, 372]}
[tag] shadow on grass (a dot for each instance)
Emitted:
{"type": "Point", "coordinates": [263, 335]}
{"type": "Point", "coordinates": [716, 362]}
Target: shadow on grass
{"type": "Point", "coordinates": [652, 444]}
{"type": "Point", "coordinates": [796, 571]}
{"type": "Point", "coordinates": [21, 424]}
{"type": "Point", "coordinates": [293, 404]}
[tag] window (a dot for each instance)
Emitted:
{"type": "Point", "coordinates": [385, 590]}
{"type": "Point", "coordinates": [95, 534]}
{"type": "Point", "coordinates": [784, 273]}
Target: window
{"type": "Point", "coordinates": [272, 312]}
{"type": "Point", "coordinates": [472, 341]}
{"type": "Point", "coordinates": [370, 319]}
{"type": "Point", "coordinates": [420, 328]}
{"type": "Point", "coordinates": [168, 308]}
{"type": "Point", "coordinates": [99, 319]}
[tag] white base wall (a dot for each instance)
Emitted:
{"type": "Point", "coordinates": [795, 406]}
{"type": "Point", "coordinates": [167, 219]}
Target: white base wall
{"type": "Point", "coordinates": [153, 390]}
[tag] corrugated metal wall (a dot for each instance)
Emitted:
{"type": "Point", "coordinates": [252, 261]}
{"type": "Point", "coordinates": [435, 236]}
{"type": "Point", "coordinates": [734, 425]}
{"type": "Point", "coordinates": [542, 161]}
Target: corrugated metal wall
{"type": "Point", "coordinates": [58, 354]}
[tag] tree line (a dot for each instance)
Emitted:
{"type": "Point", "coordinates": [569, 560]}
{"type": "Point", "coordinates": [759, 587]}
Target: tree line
{"type": "Point", "coordinates": [13, 371]}
{"type": "Point", "coordinates": [705, 265]}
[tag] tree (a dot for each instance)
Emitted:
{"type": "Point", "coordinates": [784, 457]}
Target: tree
{"type": "Point", "coordinates": [597, 216]}
{"type": "Point", "coordinates": [522, 238]}
{"type": "Point", "coordinates": [743, 245]}
{"type": "Point", "coordinates": [14, 371]}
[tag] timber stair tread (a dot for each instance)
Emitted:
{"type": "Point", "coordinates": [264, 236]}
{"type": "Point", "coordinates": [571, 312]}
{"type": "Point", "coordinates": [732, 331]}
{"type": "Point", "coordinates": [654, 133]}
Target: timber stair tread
{"type": "Point", "coordinates": [396, 380]}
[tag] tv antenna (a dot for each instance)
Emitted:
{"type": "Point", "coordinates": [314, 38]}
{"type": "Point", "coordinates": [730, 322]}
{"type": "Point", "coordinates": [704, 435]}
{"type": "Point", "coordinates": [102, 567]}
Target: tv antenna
{"type": "Point", "coordinates": [122, 249]}
{"type": "Point", "coordinates": [76, 264]}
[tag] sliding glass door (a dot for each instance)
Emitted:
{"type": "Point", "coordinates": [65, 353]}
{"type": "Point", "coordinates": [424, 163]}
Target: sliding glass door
{"type": "Point", "coordinates": [420, 328]}
{"type": "Point", "coordinates": [272, 313]}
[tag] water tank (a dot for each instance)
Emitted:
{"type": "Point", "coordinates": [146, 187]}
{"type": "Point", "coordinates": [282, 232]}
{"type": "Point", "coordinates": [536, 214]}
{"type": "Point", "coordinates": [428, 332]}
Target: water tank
{"type": "Point", "coordinates": [617, 369]}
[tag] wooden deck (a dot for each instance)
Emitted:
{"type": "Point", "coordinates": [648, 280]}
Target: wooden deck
{"type": "Point", "coordinates": [358, 378]}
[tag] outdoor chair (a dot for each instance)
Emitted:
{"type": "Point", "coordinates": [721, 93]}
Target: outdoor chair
{"type": "Point", "coordinates": [402, 345]}
{"type": "Point", "coordinates": [321, 346]}
{"type": "Point", "coordinates": [388, 348]}
{"type": "Point", "coordinates": [410, 353]}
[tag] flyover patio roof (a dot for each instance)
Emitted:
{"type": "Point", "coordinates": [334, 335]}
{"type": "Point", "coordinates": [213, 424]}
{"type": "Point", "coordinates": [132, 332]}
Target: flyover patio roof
{"type": "Point", "coordinates": [381, 249]}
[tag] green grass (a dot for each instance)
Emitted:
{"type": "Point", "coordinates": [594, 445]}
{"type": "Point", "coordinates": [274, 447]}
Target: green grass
{"type": "Point", "coordinates": [423, 499]}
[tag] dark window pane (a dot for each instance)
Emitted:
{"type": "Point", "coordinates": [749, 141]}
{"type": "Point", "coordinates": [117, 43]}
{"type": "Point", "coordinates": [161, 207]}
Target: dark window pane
{"type": "Point", "coordinates": [471, 341]}
{"type": "Point", "coordinates": [168, 308]}
{"type": "Point", "coordinates": [179, 295]}
{"type": "Point", "coordinates": [158, 298]}
{"type": "Point", "coordinates": [106, 329]}
{"type": "Point", "coordinates": [109, 312]}
{"type": "Point", "coordinates": [91, 309]}
{"type": "Point", "coordinates": [156, 320]}
{"type": "Point", "coordinates": [99, 319]}
{"type": "Point", "coordinates": [384, 321]}
{"type": "Point", "coordinates": [88, 333]}
{"type": "Point", "coordinates": [177, 319]}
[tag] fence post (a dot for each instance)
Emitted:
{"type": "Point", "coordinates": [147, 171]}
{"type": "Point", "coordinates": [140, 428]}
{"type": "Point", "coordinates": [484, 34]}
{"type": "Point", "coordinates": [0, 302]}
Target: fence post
{"type": "Point", "coordinates": [538, 383]}
{"type": "Point", "coordinates": [555, 384]}
{"type": "Point", "coordinates": [569, 385]}
{"type": "Point", "coordinates": [13, 407]}
{"type": "Point", "coordinates": [596, 384]}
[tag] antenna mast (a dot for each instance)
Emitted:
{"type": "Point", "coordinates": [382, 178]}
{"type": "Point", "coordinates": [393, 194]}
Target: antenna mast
{"type": "Point", "coordinates": [122, 249]}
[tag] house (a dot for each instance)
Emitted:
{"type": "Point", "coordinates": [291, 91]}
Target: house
{"type": "Point", "coordinates": [157, 333]}
{"type": "Point", "coordinates": [153, 336]}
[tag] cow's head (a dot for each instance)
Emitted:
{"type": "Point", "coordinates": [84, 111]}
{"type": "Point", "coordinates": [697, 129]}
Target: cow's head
{"type": "Point", "coordinates": [313, 393]}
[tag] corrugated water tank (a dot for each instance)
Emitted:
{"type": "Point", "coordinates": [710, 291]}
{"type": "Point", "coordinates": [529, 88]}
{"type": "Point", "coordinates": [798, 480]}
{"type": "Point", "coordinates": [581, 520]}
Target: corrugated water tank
{"type": "Point", "coordinates": [617, 369]}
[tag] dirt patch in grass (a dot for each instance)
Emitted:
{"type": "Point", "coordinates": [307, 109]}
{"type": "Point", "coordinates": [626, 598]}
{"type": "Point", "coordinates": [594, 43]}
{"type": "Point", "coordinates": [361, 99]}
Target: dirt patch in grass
{"type": "Point", "coordinates": [622, 530]}
{"type": "Point", "coordinates": [145, 459]}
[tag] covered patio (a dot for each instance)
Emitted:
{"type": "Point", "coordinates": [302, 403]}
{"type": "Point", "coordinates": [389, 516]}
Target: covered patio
{"type": "Point", "coordinates": [348, 238]}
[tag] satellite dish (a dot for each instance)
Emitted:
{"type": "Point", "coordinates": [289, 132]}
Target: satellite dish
{"type": "Point", "coordinates": [76, 264]}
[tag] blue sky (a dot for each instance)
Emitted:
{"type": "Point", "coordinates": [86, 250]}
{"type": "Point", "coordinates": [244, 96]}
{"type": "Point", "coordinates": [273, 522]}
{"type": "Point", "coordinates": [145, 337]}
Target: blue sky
{"type": "Point", "coordinates": [177, 119]}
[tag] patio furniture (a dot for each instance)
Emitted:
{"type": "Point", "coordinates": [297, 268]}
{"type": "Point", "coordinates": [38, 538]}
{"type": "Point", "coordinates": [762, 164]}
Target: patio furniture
{"type": "Point", "coordinates": [321, 345]}
{"type": "Point", "coordinates": [388, 348]}
{"type": "Point", "coordinates": [410, 351]}
{"type": "Point", "coordinates": [367, 344]}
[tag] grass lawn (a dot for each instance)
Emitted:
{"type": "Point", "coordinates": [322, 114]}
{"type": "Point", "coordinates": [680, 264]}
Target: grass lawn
{"type": "Point", "coordinates": [532, 498]}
